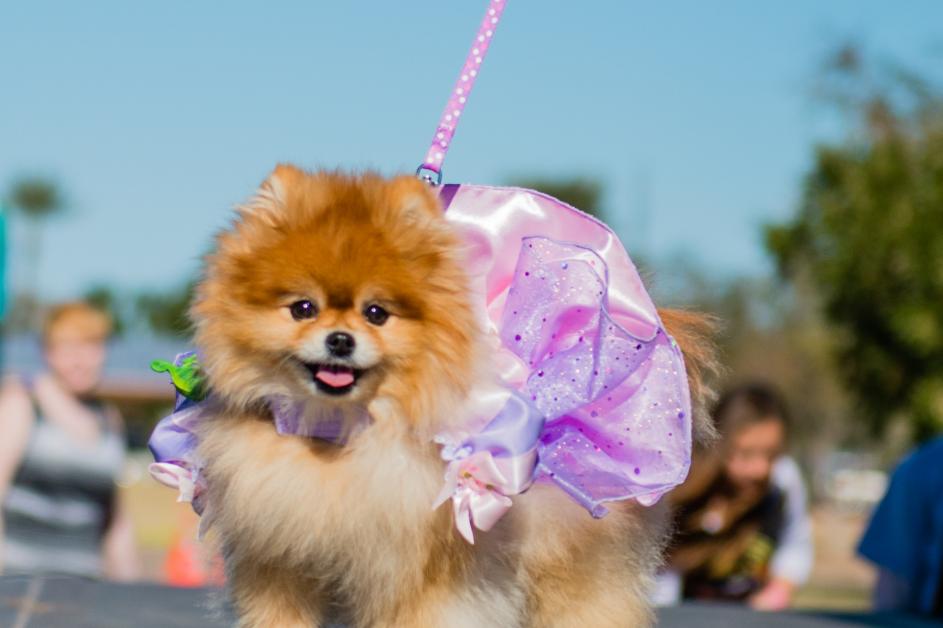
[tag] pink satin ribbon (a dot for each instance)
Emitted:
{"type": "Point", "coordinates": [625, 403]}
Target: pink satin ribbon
{"type": "Point", "coordinates": [176, 477]}
{"type": "Point", "coordinates": [479, 485]}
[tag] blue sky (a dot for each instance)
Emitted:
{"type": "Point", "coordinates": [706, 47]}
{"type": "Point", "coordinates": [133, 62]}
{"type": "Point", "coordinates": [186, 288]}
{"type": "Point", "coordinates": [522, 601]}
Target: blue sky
{"type": "Point", "coordinates": [157, 117]}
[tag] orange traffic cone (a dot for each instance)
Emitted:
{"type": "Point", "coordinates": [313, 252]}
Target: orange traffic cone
{"type": "Point", "coordinates": [190, 563]}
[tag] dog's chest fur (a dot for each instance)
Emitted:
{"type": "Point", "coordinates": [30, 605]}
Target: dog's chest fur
{"type": "Point", "coordinates": [359, 515]}
{"type": "Point", "coordinates": [358, 522]}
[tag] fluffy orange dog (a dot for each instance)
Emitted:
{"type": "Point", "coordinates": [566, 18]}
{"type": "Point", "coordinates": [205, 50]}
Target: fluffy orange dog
{"type": "Point", "coordinates": [348, 292]}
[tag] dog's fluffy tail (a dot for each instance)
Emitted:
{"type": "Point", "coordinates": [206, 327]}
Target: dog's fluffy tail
{"type": "Point", "coordinates": [695, 333]}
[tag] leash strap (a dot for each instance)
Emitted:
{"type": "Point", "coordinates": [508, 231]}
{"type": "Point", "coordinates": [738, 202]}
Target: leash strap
{"type": "Point", "coordinates": [431, 168]}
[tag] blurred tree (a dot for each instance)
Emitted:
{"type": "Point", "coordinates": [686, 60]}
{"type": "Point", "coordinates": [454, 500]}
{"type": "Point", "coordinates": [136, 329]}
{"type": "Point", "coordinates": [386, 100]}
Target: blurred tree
{"type": "Point", "coordinates": [22, 313]}
{"type": "Point", "coordinates": [4, 258]}
{"type": "Point", "coordinates": [104, 298]}
{"type": "Point", "coordinates": [868, 237]}
{"type": "Point", "coordinates": [775, 334]}
{"type": "Point", "coordinates": [166, 313]}
{"type": "Point", "coordinates": [37, 199]}
{"type": "Point", "coordinates": [582, 193]}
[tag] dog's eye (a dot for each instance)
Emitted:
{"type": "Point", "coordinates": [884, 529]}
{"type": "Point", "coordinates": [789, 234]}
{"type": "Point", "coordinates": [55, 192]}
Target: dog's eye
{"type": "Point", "coordinates": [375, 314]}
{"type": "Point", "coordinates": [300, 310]}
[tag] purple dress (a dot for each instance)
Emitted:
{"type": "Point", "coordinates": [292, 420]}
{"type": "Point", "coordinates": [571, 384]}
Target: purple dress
{"type": "Point", "coordinates": [595, 395]}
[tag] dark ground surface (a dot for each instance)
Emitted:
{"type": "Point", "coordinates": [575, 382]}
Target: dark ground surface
{"type": "Point", "coordinates": [54, 602]}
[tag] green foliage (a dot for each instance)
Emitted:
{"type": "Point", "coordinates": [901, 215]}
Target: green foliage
{"type": "Point", "coordinates": [105, 299]}
{"type": "Point", "coordinates": [869, 237]}
{"type": "Point", "coordinates": [773, 335]}
{"type": "Point", "coordinates": [36, 197]}
{"type": "Point", "coordinates": [23, 314]}
{"type": "Point", "coordinates": [166, 313]}
{"type": "Point", "coordinates": [583, 194]}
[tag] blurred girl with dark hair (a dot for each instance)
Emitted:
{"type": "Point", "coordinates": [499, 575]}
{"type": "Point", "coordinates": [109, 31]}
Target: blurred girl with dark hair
{"type": "Point", "coordinates": [742, 527]}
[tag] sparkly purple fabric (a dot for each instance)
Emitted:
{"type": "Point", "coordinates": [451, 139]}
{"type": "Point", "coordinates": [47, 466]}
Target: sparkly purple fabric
{"type": "Point", "coordinates": [588, 348]}
{"type": "Point", "coordinates": [613, 403]}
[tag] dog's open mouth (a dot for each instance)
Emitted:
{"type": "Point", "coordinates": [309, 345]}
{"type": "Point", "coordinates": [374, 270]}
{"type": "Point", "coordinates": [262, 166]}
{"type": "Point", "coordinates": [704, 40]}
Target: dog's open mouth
{"type": "Point", "coordinates": [334, 379]}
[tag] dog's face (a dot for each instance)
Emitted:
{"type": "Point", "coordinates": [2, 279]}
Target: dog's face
{"type": "Point", "coordinates": [338, 288]}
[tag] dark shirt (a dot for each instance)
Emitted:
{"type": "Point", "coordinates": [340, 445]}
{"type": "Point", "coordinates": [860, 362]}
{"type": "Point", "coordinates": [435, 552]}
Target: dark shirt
{"type": "Point", "coordinates": [60, 500]}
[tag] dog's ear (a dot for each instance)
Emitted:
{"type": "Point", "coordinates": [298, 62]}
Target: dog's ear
{"type": "Point", "coordinates": [287, 176]}
{"type": "Point", "coordinates": [415, 198]}
{"type": "Point", "coordinates": [269, 199]}
{"type": "Point", "coordinates": [694, 333]}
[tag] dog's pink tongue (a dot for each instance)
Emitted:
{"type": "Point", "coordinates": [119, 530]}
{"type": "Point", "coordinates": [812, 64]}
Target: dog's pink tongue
{"type": "Point", "coordinates": [335, 376]}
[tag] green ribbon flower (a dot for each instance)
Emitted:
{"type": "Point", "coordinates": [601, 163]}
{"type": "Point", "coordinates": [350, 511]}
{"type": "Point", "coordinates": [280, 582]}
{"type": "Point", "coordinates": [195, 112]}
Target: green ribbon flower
{"type": "Point", "coordinates": [187, 377]}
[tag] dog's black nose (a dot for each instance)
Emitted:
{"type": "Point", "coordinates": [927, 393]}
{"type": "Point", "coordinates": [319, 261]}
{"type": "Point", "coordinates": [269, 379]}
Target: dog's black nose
{"type": "Point", "coordinates": [340, 344]}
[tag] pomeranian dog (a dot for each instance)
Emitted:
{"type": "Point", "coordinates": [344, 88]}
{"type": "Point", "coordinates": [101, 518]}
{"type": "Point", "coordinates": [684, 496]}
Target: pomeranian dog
{"type": "Point", "coordinates": [348, 293]}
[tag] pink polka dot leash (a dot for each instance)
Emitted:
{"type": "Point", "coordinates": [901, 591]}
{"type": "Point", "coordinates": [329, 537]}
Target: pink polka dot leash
{"type": "Point", "coordinates": [431, 168]}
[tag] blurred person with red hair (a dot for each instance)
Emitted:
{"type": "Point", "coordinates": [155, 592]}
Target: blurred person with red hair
{"type": "Point", "coordinates": [61, 451]}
